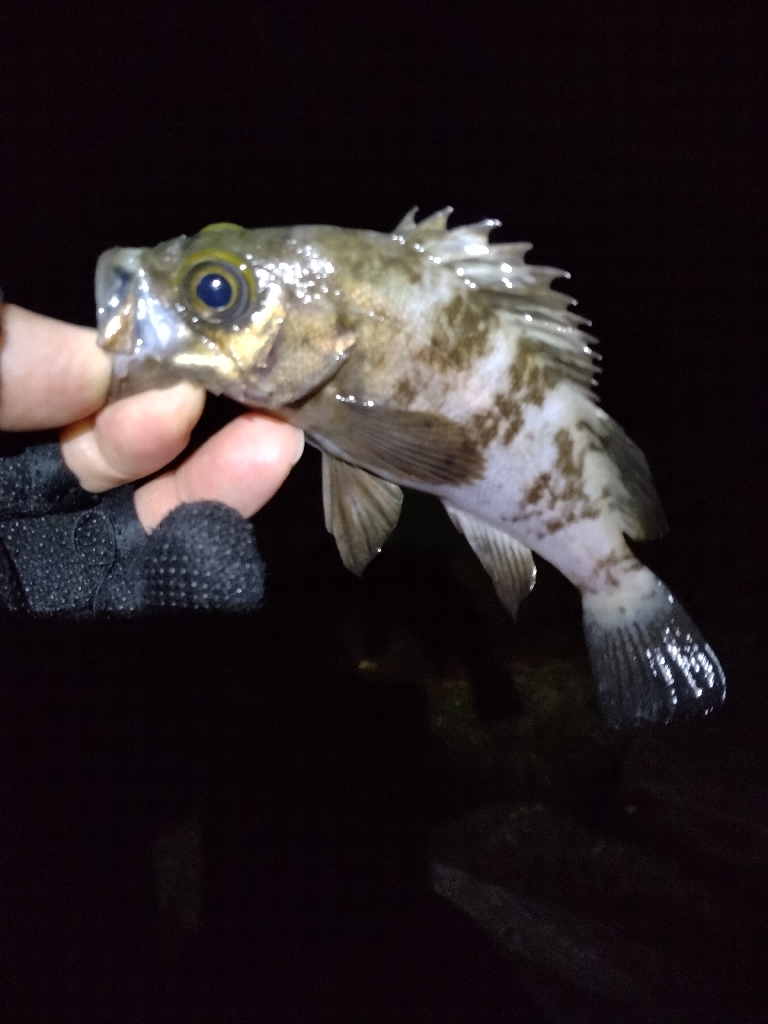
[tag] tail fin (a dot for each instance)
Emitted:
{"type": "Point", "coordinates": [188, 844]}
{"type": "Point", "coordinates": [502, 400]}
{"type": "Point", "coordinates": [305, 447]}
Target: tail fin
{"type": "Point", "coordinates": [649, 660]}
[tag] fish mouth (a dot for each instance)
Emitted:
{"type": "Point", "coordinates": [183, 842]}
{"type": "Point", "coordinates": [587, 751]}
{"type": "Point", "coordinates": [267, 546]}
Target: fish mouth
{"type": "Point", "coordinates": [135, 326]}
{"type": "Point", "coordinates": [116, 285]}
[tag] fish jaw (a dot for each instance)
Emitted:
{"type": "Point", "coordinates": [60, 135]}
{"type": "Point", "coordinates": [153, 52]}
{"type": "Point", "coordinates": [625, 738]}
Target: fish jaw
{"type": "Point", "coordinates": [150, 342]}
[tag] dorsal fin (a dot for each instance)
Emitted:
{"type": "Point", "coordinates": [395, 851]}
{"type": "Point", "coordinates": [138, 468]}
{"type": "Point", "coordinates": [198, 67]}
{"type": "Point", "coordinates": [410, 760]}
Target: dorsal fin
{"type": "Point", "coordinates": [523, 290]}
{"type": "Point", "coordinates": [429, 227]}
{"type": "Point", "coordinates": [630, 482]}
{"type": "Point", "coordinates": [522, 297]}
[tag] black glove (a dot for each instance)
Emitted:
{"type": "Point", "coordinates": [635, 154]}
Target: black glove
{"type": "Point", "coordinates": [66, 552]}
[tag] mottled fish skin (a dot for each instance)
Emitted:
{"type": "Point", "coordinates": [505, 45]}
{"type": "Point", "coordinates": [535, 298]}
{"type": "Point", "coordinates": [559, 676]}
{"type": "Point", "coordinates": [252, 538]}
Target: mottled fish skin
{"type": "Point", "coordinates": [434, 359]}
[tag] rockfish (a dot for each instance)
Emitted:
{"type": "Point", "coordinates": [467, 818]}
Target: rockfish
{"type": "Point", "coordinates": [434, 359]}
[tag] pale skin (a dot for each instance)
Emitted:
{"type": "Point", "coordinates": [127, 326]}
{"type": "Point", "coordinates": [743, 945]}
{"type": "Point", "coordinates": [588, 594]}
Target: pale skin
{"type": "Point", "coordinates": [53, 375]}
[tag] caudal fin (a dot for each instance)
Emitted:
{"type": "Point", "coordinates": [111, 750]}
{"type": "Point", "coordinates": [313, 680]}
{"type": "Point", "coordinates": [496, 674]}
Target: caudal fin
{"type": "Point", "coordinates": [649, 660]}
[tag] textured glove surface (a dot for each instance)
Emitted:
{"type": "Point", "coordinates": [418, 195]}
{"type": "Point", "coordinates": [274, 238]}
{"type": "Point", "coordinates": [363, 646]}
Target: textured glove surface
{"type": "Point", "coordinates": [64, 551]}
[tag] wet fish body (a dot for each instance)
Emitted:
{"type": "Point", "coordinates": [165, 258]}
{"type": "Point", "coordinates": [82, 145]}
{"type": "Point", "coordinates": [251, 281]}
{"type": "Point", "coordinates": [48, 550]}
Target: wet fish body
{"type": "Point", "coordinates": [429, 358]}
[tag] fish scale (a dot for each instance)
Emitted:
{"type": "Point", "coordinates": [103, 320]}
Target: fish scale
{"type": "Point", "coordinates": [435, 359]}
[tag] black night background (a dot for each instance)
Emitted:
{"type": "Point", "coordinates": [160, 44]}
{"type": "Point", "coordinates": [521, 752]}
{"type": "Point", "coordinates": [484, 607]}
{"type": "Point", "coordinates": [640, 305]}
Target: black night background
{"type": "Point", "coordinates": [329, 762]}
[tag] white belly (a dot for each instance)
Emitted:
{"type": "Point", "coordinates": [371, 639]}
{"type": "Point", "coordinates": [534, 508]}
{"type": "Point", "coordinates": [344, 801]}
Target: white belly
{"type": "Point", "coordinates": [555, 505]}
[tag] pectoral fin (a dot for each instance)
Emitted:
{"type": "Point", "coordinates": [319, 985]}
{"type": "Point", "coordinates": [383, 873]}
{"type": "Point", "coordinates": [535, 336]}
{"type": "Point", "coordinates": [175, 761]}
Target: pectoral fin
{"type": "Point", "coordinates": [508, 562]}
{"type": "Point", "coordinates": [360, 511]}
{"type": "Point", "coordinates": [418, 448]}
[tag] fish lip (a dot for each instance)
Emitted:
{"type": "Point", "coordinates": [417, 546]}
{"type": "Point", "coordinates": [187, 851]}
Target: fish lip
{"type": "Point", "coordinates": [134, 324]}
{"type": "Point", "coordinates": [116, 271]}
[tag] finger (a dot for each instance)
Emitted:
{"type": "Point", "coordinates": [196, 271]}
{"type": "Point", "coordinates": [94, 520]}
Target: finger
{"type": "Point", "coordinates": [242, 466]}
{"type": "Point", "coordinates": [132, 438]}
{"type": "Point", "coordinates": [51, 372]}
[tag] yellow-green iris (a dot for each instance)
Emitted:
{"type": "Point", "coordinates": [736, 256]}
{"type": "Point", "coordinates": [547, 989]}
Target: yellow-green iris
{"type": "Point", "coordinates": [217, 285]}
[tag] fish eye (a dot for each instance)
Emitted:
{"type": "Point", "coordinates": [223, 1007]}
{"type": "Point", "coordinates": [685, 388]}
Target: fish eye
{"type": "Point", "coordinates": [216, 290]}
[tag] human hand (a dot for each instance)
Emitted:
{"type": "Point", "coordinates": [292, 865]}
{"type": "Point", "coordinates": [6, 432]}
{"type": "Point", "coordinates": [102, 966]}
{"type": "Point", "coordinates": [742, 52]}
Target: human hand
{"type": "Point", "coordinates": [179, 541]}
{"type": "Point", "coordinates": [53, 375]}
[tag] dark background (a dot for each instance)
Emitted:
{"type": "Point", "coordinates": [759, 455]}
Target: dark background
{"type": "Point", "coordinates": [627, 142]}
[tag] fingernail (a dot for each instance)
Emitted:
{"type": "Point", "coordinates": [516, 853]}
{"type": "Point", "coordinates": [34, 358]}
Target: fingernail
{"type": "Point", "coordinates": [299, 448]}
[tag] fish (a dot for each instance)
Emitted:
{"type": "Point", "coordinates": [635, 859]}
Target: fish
{"type": "Point", "coordinates": [435, 359]}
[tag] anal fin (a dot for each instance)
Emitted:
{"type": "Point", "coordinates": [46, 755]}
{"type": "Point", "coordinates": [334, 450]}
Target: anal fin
{"type": "Point", "coordinates": [508, 562]}
{"type": "Point", "coordinates": [360, 511]}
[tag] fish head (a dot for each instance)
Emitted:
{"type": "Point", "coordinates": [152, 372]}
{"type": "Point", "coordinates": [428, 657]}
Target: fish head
{"type": "Point", "coordinates": [249, 314]}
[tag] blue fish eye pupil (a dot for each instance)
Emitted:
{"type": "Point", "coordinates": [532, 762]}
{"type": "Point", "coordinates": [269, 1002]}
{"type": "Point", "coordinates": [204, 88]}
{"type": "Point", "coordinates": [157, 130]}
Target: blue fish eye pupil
{"type": "Point", "coordinates": [214, 290]}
